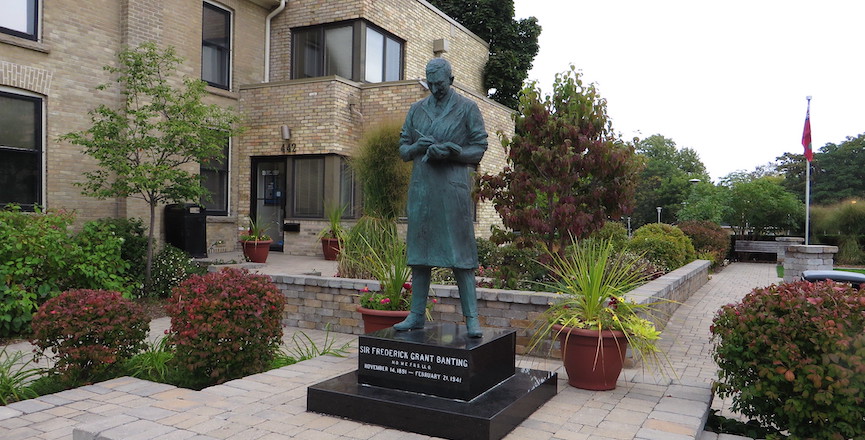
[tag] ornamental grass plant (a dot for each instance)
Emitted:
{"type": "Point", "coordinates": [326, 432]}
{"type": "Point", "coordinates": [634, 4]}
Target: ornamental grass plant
{"type": "Point", "coordinates": [591, 280]}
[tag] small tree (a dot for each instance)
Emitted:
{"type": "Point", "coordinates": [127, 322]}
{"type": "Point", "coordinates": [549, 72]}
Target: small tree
{"type": "Point", "coordinates": [143, 146]}
{"type": "Point", "coordinates": [567, 171]}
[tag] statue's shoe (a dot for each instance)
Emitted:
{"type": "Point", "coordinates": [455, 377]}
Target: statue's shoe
{"type": "Point", "coordinates": [473, 327]}
{"type": "Point", "coordinates": [413, 321]}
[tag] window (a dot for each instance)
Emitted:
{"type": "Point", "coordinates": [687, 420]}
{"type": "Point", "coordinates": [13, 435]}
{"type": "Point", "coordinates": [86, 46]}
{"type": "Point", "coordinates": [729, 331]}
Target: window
{"type": "Point", "coordinates": [383, 57]}
{"type": "Point", "coordinates": [214, 178]}
{"type": "Point", "coordinates": [216, 46]}
{"type": "Point", "coordinates": [355, 51]}
{"type": "Point", "coordinates": [20, 150]}
{"type": "Point", "coordinates": [308, 200]}
{"type": "Point", "coordinates": [347, 190]}
{"type": "Point", "coordinates": [20, 18]}
{"type": "Point", "coordinates": [316, 181]}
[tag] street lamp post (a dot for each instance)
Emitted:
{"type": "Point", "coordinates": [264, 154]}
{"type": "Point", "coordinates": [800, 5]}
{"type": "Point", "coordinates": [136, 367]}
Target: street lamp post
{"type": "Point", "coordinates": [659, 214]}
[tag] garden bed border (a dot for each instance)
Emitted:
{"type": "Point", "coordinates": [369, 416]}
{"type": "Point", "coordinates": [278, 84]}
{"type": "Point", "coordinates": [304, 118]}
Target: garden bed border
{"type": "Point", "coordinates": [317, 302]}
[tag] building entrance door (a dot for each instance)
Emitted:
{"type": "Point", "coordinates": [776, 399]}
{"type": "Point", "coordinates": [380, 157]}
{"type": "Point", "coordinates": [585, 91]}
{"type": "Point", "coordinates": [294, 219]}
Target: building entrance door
{"type": "Point", "coordinates": [268, 204]}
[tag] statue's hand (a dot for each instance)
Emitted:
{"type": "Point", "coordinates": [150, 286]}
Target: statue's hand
{"type": "Point", "coordinates": [425, 141]}
{"type": "Point", "coordinates": [438, 152]}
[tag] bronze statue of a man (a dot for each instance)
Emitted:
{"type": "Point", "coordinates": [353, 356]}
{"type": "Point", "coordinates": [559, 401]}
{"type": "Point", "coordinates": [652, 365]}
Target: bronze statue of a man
{"type": "Point", "coordinates": [444, 135]}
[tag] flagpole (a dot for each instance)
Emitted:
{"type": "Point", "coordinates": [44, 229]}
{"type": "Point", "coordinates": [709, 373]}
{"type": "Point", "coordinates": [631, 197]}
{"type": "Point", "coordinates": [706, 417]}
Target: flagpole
{"type": "Point", "coordinates": [807, 173]}
{"type": "Point", "coordinates": [807, 200]}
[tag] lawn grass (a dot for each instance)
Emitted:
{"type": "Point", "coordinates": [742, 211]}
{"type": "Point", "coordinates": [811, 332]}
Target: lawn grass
{"type": "Point", "coordinates": [851, 269]}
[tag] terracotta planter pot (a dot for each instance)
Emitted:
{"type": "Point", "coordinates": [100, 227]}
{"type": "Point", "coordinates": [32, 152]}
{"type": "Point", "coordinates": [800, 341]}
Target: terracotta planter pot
{"type": "Point", "coordinates": [379, 319]}
{"type": "Point", "coordinates": [330, 248]}
{"type": "Point", "coordinates": [256, 251]}
{"type": "Point", "coordinates": [593, 361]}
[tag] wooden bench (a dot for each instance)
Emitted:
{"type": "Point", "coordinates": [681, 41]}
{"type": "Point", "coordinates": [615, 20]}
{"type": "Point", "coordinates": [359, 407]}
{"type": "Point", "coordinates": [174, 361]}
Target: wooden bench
{"type": "Point", "coordinates": [759, 247]}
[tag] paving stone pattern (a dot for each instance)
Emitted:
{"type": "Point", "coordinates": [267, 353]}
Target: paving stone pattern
{"type": "Point", "coordinates": [272, 405]}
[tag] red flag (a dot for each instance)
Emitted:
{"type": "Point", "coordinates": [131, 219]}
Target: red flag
{"type": "Point", "coordinates": [806, 134]}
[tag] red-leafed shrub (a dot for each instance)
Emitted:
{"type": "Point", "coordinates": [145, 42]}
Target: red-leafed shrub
{"type": "Point", "coordinates": [709, 239]}
{"type": "Point", "coordinates": [225, 325]}
{"type": "Point", "coordinates": [90, 331]}
{"type": "Point", "coordinates": [793, 356]}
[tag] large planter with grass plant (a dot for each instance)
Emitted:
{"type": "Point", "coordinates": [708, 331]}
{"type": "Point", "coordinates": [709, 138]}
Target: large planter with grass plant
{"type": "Point", "coordinates": [593, 320]}
{"type": "Point", "coordinates": [255, 243]}
{"type": "Point", "coordinates": [333, 234]}
{"type": "Point", "coordinates": [256, 251]}
{"type": "Point", "coordinates": [592, 359]}
{"type": "Point", "coordinates": [330, 248]}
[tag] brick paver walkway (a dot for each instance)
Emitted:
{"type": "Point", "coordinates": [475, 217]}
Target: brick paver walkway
{"type": "Point", "coordinates": [272, 405]}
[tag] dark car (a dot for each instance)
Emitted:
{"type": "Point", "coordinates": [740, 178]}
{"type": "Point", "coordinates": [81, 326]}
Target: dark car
{"type": "Point", "coordinates": [841, 276]}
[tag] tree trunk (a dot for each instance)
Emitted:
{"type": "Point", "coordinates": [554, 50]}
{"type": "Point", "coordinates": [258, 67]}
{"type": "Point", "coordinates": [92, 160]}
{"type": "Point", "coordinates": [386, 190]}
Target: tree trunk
{"type": "Point", "coordinates": [148, 279]}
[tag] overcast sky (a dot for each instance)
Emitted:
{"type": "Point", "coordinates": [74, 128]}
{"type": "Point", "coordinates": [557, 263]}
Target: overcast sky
{"type": "Point", "coordinates": [727, 79]}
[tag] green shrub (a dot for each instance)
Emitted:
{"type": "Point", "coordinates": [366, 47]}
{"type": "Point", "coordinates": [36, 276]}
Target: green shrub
{"type": "Point", "coordinates": [96, 261]}
{"type": "Point", "coordinates": [792, 356]}
{"type": "Point", "coordinates": [89, 332]}
{"type": "Point", "coordinates": [134, 248]}
{"type": "Point", "coordinates": [225, 325]}
{"type": "Point", "coordinates": [613, 232]}
{"type": "Point", "coordinates": [510, 267]}
{"type": "Point", "coordinates": [171, 266]}
{"type": "Point", "coordinates": [666, 246]}
{"type": "Point", "coordinates": [709, 239]}
{"type": "Point", "coordinates": [39, 258]}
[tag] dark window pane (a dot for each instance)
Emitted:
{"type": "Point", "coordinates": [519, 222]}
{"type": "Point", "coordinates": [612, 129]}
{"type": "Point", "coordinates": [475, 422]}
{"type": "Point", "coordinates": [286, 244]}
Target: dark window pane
{"type": "Point", "coordinates": [347, 189]}
{"type": "Point", "coordinates": [19, 18]}
{"type": "Point", "coordinates": [20, 177]}
{"type": "Point", "coordinates": [374, 55]}
{"type": "Point", "coordinates": [339, 51]}
{"type": "Point", "coordinates": [215, 45]}
{"type": "Point", "coordinates": [309, 187]}
{"type": "Point", "coordinates": [19, 122]}
{"type": "Point", "coordinates": [214, 178]}
{"type": "Point", "coordinates": [308, 54]}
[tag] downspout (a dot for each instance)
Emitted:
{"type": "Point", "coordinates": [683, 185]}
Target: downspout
{"type": "Point", "coordinates": [270, 16]}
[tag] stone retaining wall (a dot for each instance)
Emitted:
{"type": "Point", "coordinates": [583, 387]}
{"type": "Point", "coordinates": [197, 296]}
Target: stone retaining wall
{"type": "Point", "coordinates": [800, 258]}
{"type": "Point", "coordinates": [318, 302]}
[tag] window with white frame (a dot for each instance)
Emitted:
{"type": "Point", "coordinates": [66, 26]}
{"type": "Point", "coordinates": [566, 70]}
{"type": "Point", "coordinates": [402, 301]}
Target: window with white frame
{"type": "Point", "coordinates": [214, 178]}
{"type": "Point", "coordinates": [20, 150]}
{"type": "Point", "coordinates": [353, 50]}
{"type": "Point", "coordinates": [20, 18]}
{"type": "Point", "coordinates": [216, 46]}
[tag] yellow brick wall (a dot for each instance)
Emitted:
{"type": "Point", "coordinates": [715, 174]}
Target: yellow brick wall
{"type": "Point", "coordinates": [415, 21]}
{"type": "Point", "coordinates": [65, 66]}
{"type": "Point", "coordinates": [323, 120]}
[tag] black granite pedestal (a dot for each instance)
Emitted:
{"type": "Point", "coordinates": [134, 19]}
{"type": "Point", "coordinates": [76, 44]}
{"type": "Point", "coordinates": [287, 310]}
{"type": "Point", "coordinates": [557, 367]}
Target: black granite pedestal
{"type": "Point", "coordinates": [436, 381]}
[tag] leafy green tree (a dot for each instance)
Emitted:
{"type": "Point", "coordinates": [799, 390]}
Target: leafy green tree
{"type": "Point", "coordinates": [706, 202]}
{"type": "Point", "coordinates": [144, 146]}
{"type": "Point", "coordinates": [763, 205]}
{"type": "Point", "coordinates": [513, 43]}
{"type": "Point", "coordinates": [792, 167]}
{"type": "Point", "coordinates": [838, 172]}
{"type": "Point", "coordinates": [567, 172]}
{"type": "Point", "coordinates": [666, 180]}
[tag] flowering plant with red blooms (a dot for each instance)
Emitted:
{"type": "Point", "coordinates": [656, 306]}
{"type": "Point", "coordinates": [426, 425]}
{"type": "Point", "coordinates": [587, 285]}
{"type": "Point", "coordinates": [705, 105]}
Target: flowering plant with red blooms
{"type": "Point", "coordinates": [379, 301]}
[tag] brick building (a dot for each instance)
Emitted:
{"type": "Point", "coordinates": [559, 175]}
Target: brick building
{"type": "Point", "coordinates": [307, 76]}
